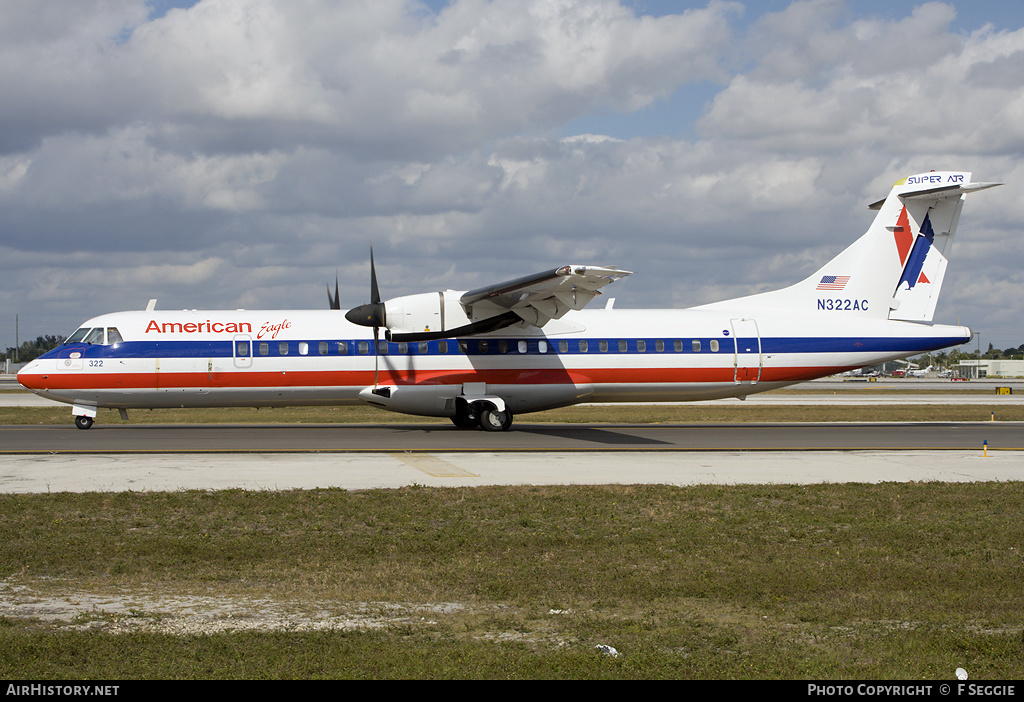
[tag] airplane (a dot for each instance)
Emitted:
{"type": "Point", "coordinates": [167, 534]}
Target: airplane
{"type": "Point", "coordinates": [481, 357]}
{"type": "Point", "coordinates": [920, 373]}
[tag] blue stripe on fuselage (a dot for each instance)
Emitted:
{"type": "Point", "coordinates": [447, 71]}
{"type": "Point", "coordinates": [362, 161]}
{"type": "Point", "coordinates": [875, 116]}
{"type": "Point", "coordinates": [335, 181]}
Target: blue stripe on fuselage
{"type": "Point", "coordinates": [769, 345]}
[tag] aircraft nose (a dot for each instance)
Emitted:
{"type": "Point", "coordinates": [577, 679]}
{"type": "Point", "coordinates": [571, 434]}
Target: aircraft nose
{"type": "Point", "coordinates": [29, 374]}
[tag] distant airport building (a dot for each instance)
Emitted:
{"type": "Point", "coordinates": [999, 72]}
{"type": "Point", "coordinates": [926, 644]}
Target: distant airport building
{"type": "Point", "coordinates": [991, 368]}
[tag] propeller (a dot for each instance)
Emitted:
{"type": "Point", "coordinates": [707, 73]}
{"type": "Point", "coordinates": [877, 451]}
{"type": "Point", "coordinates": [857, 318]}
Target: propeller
{"type": "Point", "coordinates": [373, 314]}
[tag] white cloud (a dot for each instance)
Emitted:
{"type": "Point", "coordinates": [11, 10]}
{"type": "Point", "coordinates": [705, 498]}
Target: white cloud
{"type": "Point", "coordinates": [279, 140]}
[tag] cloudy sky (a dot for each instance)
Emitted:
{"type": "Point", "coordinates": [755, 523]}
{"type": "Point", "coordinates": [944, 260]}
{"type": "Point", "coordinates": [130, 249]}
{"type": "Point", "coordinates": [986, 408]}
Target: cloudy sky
{"type": "Point", "coordinates": [238, 153]}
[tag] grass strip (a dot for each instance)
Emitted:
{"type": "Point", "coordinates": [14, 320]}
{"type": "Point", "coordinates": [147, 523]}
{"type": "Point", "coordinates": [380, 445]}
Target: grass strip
{"type": "Point", "coordinates": [878, 581]}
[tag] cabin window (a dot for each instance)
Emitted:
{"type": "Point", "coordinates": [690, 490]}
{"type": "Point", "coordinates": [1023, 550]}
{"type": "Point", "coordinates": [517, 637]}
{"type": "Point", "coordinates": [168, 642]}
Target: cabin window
{"type": "Point", "coordinates": [342, 348]}
{"type": "Point", "coordinates": [483, 346]}
{"type": "Point", "coordinates": [622, 346]}
{"type": "Point", "coordinates": [584, 345]}
{"type": "Point", "coordinates": [602, 345]}
{"type": "Point", "coordinates": [502, 346]}
{"type": "Point", "coordinates": [403, 348]}
{"type": "Point", "coordinates": [464, 347]}
{"type": "Point", "coordinates": [303, 348]}
{"type": "Point", "coordinates": [322, 348]}
{"type": "Point", "coordinates": [521, 346]}
{"type": "Point", "coordinates": [563, 347]}
{"type": "Point", "coordinates": [696, 345]}
{"type": "Point", "coordinates": [382, 348]}
{"type": "Point", "coordinates": [363, 348]}
{"type": "Point", "coordinates": [264, 348]}
{"type": "Point", "coordinates": [714, 345]}
{"type": "Point", "coordinates": [113, 336]}
{"type": "Point", "coordinates": [442, 346]}
{"type": "Point", "coordinates": [659, 345]}
{"type": "Point", "coordinates": [542, 346]}
{"type": "Point", "coordinates": [423, 347]}
{"type": "Point", "coordinates": [242, 349]}
{"type": "Point", "coordinates": [641, 345]}
{"type": "Point", "coordinates": [282, 348]}
{"type": "Point", "coordinates": [677, 345]}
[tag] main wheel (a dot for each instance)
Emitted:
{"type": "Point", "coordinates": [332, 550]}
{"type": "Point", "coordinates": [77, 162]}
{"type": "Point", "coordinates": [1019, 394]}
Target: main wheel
{"type": "Point", "coordinates": [493, 420]}
{"type": "Point", "coordinates": [465, 422]}
{"type": "Point", "coordinates": [83, 422]}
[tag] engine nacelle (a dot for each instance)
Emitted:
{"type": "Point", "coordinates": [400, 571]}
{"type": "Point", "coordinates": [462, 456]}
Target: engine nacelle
{"type": "Point", "coordinates": [425, 312]}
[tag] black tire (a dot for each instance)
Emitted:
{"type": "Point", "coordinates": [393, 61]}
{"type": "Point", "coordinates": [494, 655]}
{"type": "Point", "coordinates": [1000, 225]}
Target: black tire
{"type": "Point", "coordinates": [493, 420]}
{"type": "Point", "coordinates": [465, 422]}
{"type": "Point", "coordinates": [83, 422]}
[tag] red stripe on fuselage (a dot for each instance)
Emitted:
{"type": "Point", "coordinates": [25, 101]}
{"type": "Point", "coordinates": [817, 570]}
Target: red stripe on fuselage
{"type": "Point", "coordinates": [63, 380]}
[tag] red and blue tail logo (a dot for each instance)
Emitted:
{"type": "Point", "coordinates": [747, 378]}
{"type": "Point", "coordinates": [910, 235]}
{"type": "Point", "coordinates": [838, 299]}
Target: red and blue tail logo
{"type": "Point", "coordinates": [913, 250]}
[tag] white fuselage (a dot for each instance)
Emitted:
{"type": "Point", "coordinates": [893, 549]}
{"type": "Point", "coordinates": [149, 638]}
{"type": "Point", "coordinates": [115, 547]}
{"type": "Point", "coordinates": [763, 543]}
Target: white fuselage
{"type": "Point", "coordinates": [198, 358]}
{"type": "Point", "coordinates": [873, 302]}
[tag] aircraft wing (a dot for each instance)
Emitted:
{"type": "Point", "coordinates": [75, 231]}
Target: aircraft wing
{"type": "Point", "coordinates": [539, 298]}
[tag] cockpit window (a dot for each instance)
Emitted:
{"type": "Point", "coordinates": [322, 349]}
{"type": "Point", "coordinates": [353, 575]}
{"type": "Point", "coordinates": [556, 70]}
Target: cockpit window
{"type": "Point", "coordinates": [77, 336]}
{"type": "Point", "coordinates": [113, 336]}
{"type": "Point", "coordinates": [95, 336]}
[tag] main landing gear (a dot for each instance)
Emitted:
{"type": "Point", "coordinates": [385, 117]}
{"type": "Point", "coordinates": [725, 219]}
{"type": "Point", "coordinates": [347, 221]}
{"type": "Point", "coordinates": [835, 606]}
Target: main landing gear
{"type": "Point", "coordinates": [477, 414]}
{"type": "Point", "coordinates": [83, 422]}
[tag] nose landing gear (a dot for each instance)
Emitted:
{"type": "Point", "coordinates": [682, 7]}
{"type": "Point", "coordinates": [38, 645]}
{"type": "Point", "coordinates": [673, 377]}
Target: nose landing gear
{"type": "Point", "coordinates": [84, 415]}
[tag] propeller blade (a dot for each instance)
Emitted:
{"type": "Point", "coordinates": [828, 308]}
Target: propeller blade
{"type": "Point", "coordinates": [334, 302]}
{"type": "Point", "coordinates": [372, 314]}
{"type": "Point", "coordinates": [379, 314]}
{"type": "Point", "coordinates": [376, 354]}
{"type": "Point", "coordinates": [374, 293]}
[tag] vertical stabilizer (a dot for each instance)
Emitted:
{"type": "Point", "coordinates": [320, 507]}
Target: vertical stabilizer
{"type": "Point", "coordinates": [895, 270]}
{"type": "Point", "coordinates": [927, 210]}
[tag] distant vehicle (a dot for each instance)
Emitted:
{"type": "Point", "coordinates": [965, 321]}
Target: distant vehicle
{"type": "Point", "coordinates": [527, 344]}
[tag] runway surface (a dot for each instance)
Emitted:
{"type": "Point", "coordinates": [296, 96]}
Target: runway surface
{"type": "Point", "coordinates": [278, 457]}
{"type": "Point", "coordinates": [55, 458]}
{"type": "Point", "coordinates": [526, 437]}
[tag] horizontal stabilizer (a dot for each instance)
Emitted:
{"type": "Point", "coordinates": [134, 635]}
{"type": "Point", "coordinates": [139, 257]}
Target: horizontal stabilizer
{"type": "Point", "coordinates": [940, 193]}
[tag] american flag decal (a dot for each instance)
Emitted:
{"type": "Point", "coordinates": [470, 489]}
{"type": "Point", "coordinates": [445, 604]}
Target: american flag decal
{"type": "Point", "coordinates": [833, 282]}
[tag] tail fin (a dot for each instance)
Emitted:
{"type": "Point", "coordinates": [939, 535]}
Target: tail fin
{"type": "Point", "coordinates": [895, 270]}
{"type": "Point", "coordinates": [922, 213]}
